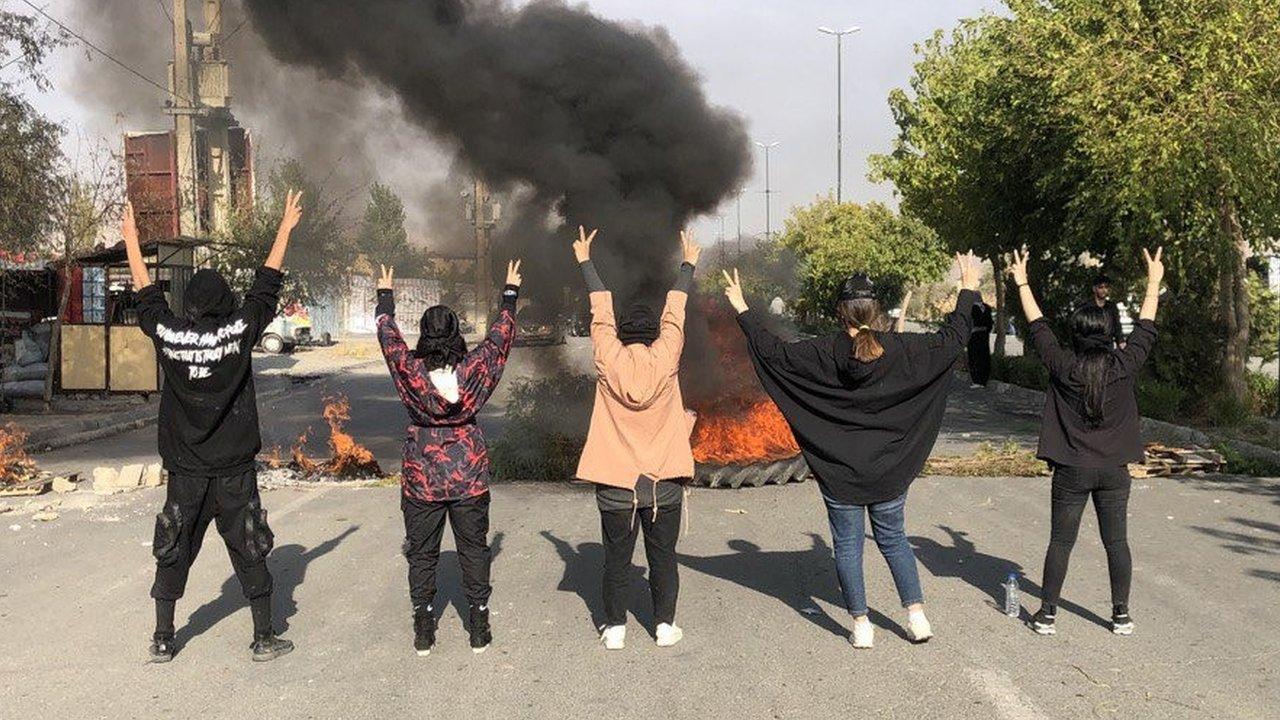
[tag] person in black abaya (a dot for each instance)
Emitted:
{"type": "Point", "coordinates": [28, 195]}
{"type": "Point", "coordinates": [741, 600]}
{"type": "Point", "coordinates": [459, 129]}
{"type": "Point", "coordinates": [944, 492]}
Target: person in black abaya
{"type": "Point", "coordinates": [980, 345]}
{"type": "Point", "coordinates": [865, 405]}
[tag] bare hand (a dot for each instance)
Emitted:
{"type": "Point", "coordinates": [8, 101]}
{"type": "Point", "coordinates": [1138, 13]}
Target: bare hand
{"type": "Point", "coordinates": [386, 282]}
{"type": "Point", "coordinates": [128, 226]}
{"type": "Point", "coordinates": [292, 211]}
{"type": "Point", "coordinates": [970, 270]}
{"type": "Point", "coordinates": [689, 248]}
{"type": "Point", "coordinates": [733, 291]}
{"type": "Point", "coordinates": [1018, 268]}
{"type": "Point", "coordinates": [1155, 266]}
{"type": "Point", "coordinates": [513, 273]}
{"type": "Point", "coordinates": [582, 246]}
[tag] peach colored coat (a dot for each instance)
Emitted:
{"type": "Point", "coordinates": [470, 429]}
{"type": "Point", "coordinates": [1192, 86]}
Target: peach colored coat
{"type": "Point", "coordinates": [638, 425]}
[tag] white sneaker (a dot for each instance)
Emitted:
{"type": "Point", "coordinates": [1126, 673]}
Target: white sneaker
{"type": "Point", "coordinates": [864, 634]}
{"type": "Point", "coordinates": [918, 628]}
{"type": "Point", "coordinates": [669, 634]}
{"type": "Point", "coordinates": [614, 637]}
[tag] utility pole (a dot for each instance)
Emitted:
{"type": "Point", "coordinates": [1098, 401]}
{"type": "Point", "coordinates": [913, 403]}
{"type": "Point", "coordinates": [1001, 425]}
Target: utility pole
{"type": "Point", "coordinates": [768, 191]}
{"type": "Point", "coordinates": [740, 191]}
{"type": "Point", "coordinates": [182, 106]}
{"type": "Point", "coordinates": [484, 215]}
{"type": "Point", "coordinates": [839, 35]}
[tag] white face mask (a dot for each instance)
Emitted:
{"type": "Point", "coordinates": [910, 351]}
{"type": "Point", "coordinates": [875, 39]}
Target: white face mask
{"type": "Point", "coordinates": [445, 380]}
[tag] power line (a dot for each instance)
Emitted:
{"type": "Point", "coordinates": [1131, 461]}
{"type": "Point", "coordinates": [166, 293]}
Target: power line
{"type": "Point", "coordinates": [227, 38]}
{"type": "Point", "coordinates": [105, 54]}
{"type": "Point", "coordinates": [165, 10]}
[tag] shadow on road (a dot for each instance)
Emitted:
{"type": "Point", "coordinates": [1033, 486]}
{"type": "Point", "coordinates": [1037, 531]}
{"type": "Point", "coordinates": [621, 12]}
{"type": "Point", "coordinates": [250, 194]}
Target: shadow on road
{"type": "Point", "coordinates": [984, 572]}
{"type": "Point", "coordinates": [450, 590]}
{"type": "Point", "coordinates": [788, 576]}
{"type": "Point", "coordinates": [288, 566]}
{"type": "Point", "coordinates": [1254, 537]}
{"type": "Point", "coordinates": [583, 574]}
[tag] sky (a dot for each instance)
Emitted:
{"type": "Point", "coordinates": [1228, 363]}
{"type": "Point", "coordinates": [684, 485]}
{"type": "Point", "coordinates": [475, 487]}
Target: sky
{"type": "Point", "coordinates": [763, 58]}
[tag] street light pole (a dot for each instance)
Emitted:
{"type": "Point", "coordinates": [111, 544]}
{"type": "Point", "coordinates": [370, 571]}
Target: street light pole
{"type": "Point", "coordinates": [839, 35]}
{"type": "Point", "coordinates": [740, 191]}
{"type": "Point", "coordinates": [768, 190]}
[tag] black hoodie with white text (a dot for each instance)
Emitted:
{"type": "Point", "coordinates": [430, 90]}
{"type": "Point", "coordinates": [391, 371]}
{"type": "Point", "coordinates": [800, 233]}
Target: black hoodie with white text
{"type": "Point", "coordinates": [208, 423]}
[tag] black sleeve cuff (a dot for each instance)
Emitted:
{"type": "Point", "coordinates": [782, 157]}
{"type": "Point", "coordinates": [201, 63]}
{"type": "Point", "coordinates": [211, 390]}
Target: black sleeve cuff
{"type": "Point", "coordinates": [510, 293]}
{"type": "Point", "coordinates": [386, 303]}
{"type": "Point", "coordinates": [684, 282]}
{"type": "Point", "coordinates": [592, 277]}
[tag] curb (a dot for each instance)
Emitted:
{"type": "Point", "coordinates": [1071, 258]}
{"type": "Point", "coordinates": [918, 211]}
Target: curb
{"type": "Point", "coordinates": [118, 427]}
{"type": "Point", "coordinates": [1158, 430]}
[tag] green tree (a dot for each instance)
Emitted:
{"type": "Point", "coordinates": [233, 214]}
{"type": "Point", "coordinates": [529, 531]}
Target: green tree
{"type": "Point", "coordinates": [1087, 130]}
{"type": "Point", "coordinates": [833, 240]}
{"type": "Point", "coordinates": [382, 237]}
{"type": "Point", "coordinates": [320, 253]}
{"type": "Point", "coordinates": [29, 143]}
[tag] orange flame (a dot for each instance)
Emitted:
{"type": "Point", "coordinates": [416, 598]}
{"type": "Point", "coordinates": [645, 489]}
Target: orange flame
{"type": "Point", "coordinates": [15, 464]}
{"type": "Point", "coordinates": [743, 433]}
{"type": "Point", "coordinates": [346, 456]}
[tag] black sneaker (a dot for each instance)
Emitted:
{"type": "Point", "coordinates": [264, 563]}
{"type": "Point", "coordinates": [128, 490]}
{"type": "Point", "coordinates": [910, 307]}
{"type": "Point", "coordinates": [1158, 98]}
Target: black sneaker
{"type": "Point", "coordinates": [1043, 621]}
{"type": "Point", "coordinates": [161, 648]}
{"type": "Point", "coordinates": [424, 633]}
{"type": "Point", "coordinates": [481, 635]}
{"type": "Point", "coordinates": [269, 647]}
{"type": "Point", "coordinates": [1121, 623]}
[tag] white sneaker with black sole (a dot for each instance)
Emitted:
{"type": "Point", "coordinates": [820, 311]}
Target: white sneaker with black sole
{"type": "Point", "coordinates": [1121, 623]}
{"type": "Point", "coordinates": [1043, 622]}
{"type": "Point", "coordinates": [614, 637]}
{"type": "Point", "coordinates": [918, 628]}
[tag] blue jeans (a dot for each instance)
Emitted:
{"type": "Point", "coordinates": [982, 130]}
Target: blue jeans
{"type": "Point", "coordinates": [848, 529]}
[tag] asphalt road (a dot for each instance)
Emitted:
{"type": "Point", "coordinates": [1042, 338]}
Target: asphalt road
{"type": "Point", "coordinates": [764, 630]}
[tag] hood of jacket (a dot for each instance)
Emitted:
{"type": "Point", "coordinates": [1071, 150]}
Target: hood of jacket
{"type": "Point", "coordinates": [208, 296]}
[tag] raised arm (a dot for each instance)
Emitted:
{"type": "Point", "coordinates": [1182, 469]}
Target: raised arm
{"type": "Point", "coordinates": [292, 215]}
{"type": "Point", "coordinates": [502, 331]}
{"type": "Point", "coordinates": [1018, 269]}
{"type": "Point", "coordinates": [797, 357]}
{"type": "Point", "coordinates": [670, 342]}
{"type": "Point", "coordinates": [133, 249]}
{"type": "Point", "coordinates": [1155, 274]}
{"type": "Point", "coordinates": [901, 324]}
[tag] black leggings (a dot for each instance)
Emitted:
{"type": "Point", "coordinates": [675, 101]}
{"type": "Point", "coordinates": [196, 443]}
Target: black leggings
{"type": "Point", "coordinates": [1072, 487]}
{"type": "Point", "coordinates": [660, 536]}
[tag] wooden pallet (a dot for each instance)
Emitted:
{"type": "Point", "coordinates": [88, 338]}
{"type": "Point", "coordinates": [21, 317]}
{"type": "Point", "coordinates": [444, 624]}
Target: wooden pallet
{"type": "Point", "coordinates": [31, 486]}
{"type": "Point", "coordinates": [1164, 461]}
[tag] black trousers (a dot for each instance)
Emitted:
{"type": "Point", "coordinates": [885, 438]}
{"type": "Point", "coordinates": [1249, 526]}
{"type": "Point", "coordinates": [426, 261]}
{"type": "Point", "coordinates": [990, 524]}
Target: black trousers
{"type": "Point", "coordinates": [424, 528]}
{"type": "Point", "coordinates": [660, 536]}
{"type": "Point", "coordinates": [1072, 488]}
{"type": "Point", "coordinates": [980, 357]}
{"type": "Point", "coordinates": [191, 503]}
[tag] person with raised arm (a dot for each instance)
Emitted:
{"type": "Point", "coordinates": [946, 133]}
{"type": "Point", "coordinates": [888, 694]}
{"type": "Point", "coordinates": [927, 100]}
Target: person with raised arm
{"type": "Point", "coordinates": [865, 405]}
{"type": "Point", "coordinates": [1090, 433]}
{"type": "Point", "coordinates": [638, 452]}
{"type": "Point", "coordinates": [208, 429]}
{"type": "Point", "coordinates": [445, 469]}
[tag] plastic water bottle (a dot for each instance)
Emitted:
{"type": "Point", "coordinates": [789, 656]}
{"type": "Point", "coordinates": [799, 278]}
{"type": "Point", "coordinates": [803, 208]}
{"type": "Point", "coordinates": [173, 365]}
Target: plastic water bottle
{"type": "Point", "coordinates": [1012, 605]}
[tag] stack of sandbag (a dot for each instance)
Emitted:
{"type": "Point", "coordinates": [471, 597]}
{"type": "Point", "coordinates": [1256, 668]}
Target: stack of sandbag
{"type": "Point", "coordinates": [25, 377]}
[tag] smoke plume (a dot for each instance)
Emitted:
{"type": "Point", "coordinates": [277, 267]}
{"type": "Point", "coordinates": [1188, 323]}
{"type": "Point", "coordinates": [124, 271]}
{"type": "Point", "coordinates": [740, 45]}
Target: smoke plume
{"type": "Point", "coordinates": [581, 120]}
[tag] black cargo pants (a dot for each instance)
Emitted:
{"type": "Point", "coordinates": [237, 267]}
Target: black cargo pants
{"type": "Point", "coordinates": [191, 503]}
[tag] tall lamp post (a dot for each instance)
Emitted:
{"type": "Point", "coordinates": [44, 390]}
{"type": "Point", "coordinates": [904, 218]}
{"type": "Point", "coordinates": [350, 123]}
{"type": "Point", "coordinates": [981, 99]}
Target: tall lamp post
{"type": "Point", "coordinates": [839, 35]}
{"type": "Point", "coordinates": [740, 191]}
{"type": "Point", "coordinates": [768, 190]}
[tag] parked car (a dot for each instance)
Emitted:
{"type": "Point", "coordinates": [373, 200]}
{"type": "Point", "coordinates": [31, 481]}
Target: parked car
{"type": "Point", "coordinates": [285, 333]}
{"type": "Point", "coordinates": [535, 327]}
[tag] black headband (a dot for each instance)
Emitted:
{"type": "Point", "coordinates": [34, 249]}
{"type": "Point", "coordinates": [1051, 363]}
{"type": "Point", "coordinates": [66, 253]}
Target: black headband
{"type": "Point", "coordinates": [857, 287]}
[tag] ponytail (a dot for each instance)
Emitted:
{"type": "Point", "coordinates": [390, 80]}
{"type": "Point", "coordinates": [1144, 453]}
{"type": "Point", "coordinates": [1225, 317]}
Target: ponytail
{"type": "Point", "coordinates": [865, 316]}
{"type": "Point", "coordinates": [866, 347]}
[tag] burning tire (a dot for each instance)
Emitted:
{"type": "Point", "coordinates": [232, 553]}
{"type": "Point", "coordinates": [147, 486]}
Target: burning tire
{"type": "Point", "coordinates": [780, 472]}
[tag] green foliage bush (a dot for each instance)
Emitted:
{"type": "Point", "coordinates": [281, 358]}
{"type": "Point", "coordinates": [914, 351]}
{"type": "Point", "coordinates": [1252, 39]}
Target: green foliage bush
{"type": "Point", "coordinates": [1160, 400]}
{"type": "Point", "coordinates": [546, 423]}
{"type": "Point", "coordinates": [1264, 392]}
{"type": "Point", "coordinates": [1020, 370]}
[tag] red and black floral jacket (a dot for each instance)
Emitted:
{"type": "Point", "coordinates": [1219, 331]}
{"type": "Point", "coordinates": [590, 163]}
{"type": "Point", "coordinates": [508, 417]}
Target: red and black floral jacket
{"type": "Point", "coordinates": [444, 453]}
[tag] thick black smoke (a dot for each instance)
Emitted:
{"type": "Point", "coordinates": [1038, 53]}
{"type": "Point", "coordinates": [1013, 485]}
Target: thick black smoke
{"type": "Point", "coordinates": [586, 121]}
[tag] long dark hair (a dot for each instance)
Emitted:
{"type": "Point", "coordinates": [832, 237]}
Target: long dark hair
{"type": "Point", "coordinates": [1091, 338]}
{"type": "Point", "coordinates": [865, 316]}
